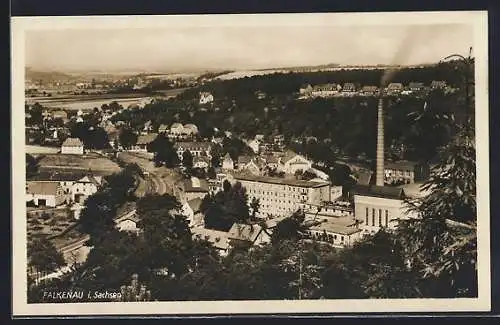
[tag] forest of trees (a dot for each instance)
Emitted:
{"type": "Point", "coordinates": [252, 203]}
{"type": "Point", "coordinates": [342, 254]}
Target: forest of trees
{"type": "Point", "coordinates": [345, 126]}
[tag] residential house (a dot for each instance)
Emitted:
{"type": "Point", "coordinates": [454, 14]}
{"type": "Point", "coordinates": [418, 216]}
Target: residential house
{"type": "Point", "coordinates": [47, 194]}
{"type": "Point", "coordinates": [201, 162]}
{"type": "Point", "coordinates": [197, 149]}
{"type": "Point", "coordinates": [65, 179]}
{"type": "Point", "coordinates": [128, 223]}
{"type": "Point", "coordinates": [405, 172]}
{"type": "Point", "coordinates": [349, 87]}
{"type": "Point", "coordinates": [416, 86]}
{"type": "Point", "coordinates": [176, 130]}
{"type": "Point", "coordinates": [72, 146]}
{"type": "Point", "coordinates": [143, 141]}
{"type": "Point", "coordinates": [218, 239]}
{"type": "Point", "coordinates": [246, 236]}
{"type": "Point", "coordinates": [438, 84]}
{"type": "Point", "coordinates": [206, 97]}
{"type": "Point", "coordinates": [189, 189]}
{"type": "Point", "coordinates": [163, 129]}
{"type": "Point", "coordinates": [191, 209]}
{"type": "Point", "coordinates": [291, 162]}
{"type": "Point", "coordinates": [190, 129]}
{"type": "Point", "coordinates": [394, 88]}
{"type": "Point", "coordinates": [326, 90]}
{"type": "Point", "coordinates": [335, 232]}
{"type": "Point", "coordinates": [85, 187]}
{"type": "Point", "coordinates": [369, 90]}
{"type": "Point", "coordinates": [254, 166]}
{"type": "Point", "coordinates": [227, 162]}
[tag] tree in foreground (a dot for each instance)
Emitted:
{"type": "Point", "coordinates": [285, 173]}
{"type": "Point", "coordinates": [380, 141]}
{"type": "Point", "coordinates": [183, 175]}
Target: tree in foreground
{"type": "Point", "coordinates": [43, 256]}
{"type": "Point", "coordinates": [441, 242]}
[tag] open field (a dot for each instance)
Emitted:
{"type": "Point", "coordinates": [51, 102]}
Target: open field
{"type": "Point", "coordinates": [88, 162]}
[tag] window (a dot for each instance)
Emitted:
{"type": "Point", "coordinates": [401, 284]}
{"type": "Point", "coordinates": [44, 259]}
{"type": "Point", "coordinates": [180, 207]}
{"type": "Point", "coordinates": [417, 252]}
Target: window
{"type": "Point", "coordinates": [366, 223]}
{"type": "Point", "coordinates": [341, 238]}
{"type": "Point", "coordinates": [379, 217]}
{"type": "Point", "coordinates": [386, 218]}
{"type": "Point", "coordinates": [373, 217]}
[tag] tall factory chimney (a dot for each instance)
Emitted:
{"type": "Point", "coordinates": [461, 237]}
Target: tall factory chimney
{"type": "Point", "coordinates": [380, 143]}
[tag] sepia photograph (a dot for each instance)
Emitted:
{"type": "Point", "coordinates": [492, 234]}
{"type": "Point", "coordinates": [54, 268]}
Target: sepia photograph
{"type": "Point", "coordinates": [250, 164]}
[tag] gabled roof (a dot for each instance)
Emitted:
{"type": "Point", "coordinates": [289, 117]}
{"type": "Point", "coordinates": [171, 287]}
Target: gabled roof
{"type": "Point", "coordinates": [176, 126]}
{"type": "Point", "coordinates": [72, 142]}
{"type": "Point", "coordinates": [395, 85]}
{"type": "Point", "coordinates": [387, 192]}
{"type": "Point", "coordinates": [96, 180]}
{"type": "Point", "coordinates": [163, 127]}
{"type": "Point", "coordinates": [244, 232]}
{"type": "Point", "coordinates": [227, 156]}
{"type": "Point", "coordinates": [43, 188]}
{"type": "Point", "coordinates": [195, 204]}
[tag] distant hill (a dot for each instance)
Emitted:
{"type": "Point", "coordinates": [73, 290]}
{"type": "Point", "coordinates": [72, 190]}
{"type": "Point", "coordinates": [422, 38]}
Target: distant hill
{"type": "Point", "coordinates": [46, 76]}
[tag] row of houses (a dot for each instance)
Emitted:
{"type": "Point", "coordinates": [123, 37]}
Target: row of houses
{"type": "Point", "coordinates": [328, 90]}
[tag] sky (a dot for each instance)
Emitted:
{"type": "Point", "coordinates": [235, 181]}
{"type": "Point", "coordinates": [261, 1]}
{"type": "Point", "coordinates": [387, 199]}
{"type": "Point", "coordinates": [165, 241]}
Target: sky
{"type": "Point", "coordinates": [177, 49]}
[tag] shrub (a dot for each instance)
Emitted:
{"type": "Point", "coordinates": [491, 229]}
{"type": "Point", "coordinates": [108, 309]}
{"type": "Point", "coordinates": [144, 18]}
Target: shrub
{"type": "Point", "coordinates": [45, 216]}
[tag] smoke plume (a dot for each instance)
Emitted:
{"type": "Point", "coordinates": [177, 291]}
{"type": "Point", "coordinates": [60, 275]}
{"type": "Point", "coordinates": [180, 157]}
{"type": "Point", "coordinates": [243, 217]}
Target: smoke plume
{"type": "Point", "coordinates": [412, 38]}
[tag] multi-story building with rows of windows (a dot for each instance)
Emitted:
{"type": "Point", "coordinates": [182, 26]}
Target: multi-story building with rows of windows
{"type": "Point", "coordinates": [376, 207]}
{"type": "Point", "coordinates": [281, 196]}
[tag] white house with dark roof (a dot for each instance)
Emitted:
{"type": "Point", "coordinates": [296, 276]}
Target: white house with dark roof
{"type": "Point", "coordinates": [49, 194]}
{"type": "Point", "coordinates": [191, 209]}
{"type": "Point", "coordinates": [206, 97]}
{"type": "Point", "coordinates": [196, 148]}
{"type": "Point", "coordinates": [291, 162]}
{"type": "Point", "coordinates": [85, 187]}
{"type": "Point", "coordinates": [72, 146]}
